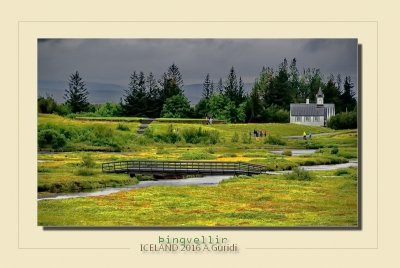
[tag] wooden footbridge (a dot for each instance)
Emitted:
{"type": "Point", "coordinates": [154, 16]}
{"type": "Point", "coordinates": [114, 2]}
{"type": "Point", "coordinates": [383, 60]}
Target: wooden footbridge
{"type": "Point", "coordinates": [180, 168]}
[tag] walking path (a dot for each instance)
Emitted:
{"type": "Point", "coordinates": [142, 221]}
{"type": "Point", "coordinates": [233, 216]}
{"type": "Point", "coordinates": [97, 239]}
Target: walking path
{"type": "Point", "coordinates": [144, 124]}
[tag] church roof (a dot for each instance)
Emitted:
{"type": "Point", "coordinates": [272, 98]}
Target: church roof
{"type": "Point", "coordinates": [302, 109]}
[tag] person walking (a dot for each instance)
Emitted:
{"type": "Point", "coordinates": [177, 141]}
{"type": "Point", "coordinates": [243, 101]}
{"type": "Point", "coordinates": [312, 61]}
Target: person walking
{"type": "Point", "coordinates": [304, 135]}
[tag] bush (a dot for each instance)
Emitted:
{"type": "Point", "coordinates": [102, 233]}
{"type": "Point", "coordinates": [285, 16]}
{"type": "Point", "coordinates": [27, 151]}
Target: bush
{"type": "Point", "coordinates": [171, 136]}
{"type": "Point", "coordinates": [346, 120]}
{"type": "Point", "coordinates": [63, 109]}
{"type": "Point", "coordinates": [334, 150]}
{"type": "Point", "coordinates": [298, 174]}
{"type": "Point", "coordinates": [199, 135]}
{"type": "Point", "coordinates": [104, 136]}
{"type": "Point", "coordinates": [47, 105]}
{"type": "Point", "coordinates": [197, 156]}
{"type": "Point", "coordinates": [274, 140]}
{"type": "Point", "coordinates": [87, 161]}
{"type": "Point", "coordinates": [342, 171]}
{"type": "Point", "coordinates": [313, 145]}
{"type": "Point", "coordinates": [211, 150]}
{"type": "Point", "coordinates": [246, 138]}
{"type": "Point", "coordinates": [109, 109]}
{"type": "Point", "coordinates": [235, 137]}
{"type": "Point", "coordinates": [287, 153]}
{"type": "Point", "coordinates": [177, 106]}
{"type": "Point", "coordinates": [52, 138]}
{"type": "Point", "coordinates": [122, 127]}
{"type": "Point", "coordinates": [84, 171]}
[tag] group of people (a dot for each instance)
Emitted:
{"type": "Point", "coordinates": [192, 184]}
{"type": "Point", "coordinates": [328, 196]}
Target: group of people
{"type": "Point", "coordinates": [259, 133]}
{"type": "Point", "coordinates": [305, 135]}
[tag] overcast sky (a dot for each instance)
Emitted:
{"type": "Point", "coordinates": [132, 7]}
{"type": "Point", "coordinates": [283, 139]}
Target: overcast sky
{"type": "Point", "coordinates": [113, 60]}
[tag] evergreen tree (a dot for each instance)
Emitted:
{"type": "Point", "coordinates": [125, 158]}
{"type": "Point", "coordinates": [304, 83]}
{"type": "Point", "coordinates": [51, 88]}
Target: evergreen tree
{"type": "Point", "coordinates": [255, 105]}
{"type": "Point", "coordinates": [347, 97]}
{"type": "Point", "coordinates": [240, 94]}
{"type": "Point", "coordinates": [134, 103]}
{"type": "Point", "coordinates": [207, 87]}
{"type": "Point", "coordinates": [315, 83]}
{"type": "Point", "coordinates": [280, 92]}
{"type": "Point", "coordinates": [220, 87]}
{"type": "Point", "coordinates": [76, 95]}
{"type": "Point", "coordinates": [294, 79]}
{"type": "Point", "coordinates": [231, 86]}
{"type": "Point", "coordinates": [171, 82]}
{"type": "Point", "coordinates": [232, 89]}
{"type": "Point", "coordinates": [339, 82]}
{"type": "Point", "coordinates": [154, 98]}
{"type": "Point", "coordinates": [331, 92]}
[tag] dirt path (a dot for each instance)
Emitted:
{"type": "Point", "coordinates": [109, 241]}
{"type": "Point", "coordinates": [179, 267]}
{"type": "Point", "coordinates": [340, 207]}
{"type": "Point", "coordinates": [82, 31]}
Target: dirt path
{"type": "Point", "coordinates": [144, 124]}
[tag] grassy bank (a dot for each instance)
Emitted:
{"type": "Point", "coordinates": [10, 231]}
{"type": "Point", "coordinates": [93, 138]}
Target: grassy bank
{"type": "Point", "coordinates": [107, 141]}
{"type": "Point", "coordinates": [328, 199]}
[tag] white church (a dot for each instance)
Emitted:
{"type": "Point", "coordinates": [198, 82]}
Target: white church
{"type": "Point", "coordinates": [314, 114]}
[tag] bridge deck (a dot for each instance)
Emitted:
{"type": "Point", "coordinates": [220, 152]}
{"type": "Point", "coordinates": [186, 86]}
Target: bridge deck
{"type": "Point", "coordinates": [182, 167]}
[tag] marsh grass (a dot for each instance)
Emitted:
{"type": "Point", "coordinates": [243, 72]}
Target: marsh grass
{"type": "Point", "coordinates": [242, 201]}
{"type": "Point", "coordinates": [287, 152]}
{"type": "Point", "coordinates": [192, 155]}
{"type": "Point", "coordinates": [122, 127]}
{"type": "Point", "coordinates": [299, 174]}
{"type": "Point", "coordinates": [274, 140]}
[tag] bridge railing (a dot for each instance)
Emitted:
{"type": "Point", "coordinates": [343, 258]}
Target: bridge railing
{"type": "Point", "coordinates": [181, 166]}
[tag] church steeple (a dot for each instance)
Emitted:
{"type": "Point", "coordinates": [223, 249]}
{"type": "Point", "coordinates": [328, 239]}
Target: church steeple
{"type": "Point", "coordinates": [320, 97]}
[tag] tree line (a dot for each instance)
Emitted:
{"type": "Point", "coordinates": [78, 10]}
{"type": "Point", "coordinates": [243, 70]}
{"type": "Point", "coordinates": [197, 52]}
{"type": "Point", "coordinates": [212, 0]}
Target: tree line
{"type": "Point", "coordinates": [267, 101]}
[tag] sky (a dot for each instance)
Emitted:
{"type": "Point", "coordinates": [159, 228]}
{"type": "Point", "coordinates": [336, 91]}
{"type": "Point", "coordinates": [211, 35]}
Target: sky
{"type": "Point", "coordinates": [112, 61]}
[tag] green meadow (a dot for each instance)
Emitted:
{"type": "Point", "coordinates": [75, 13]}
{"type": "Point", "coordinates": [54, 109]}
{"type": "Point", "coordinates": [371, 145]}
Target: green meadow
{"type": "Point", "coordinates": [71, 151]}
{"type": "Point", "coordinates": [327, 199]}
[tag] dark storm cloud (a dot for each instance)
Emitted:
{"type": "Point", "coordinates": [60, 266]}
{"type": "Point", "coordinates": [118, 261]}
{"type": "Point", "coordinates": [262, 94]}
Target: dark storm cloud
{"type": "Point", "coordinates": [113, 60]}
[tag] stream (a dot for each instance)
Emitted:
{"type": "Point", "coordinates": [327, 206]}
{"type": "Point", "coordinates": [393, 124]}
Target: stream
{"type": "Point", "coordinates": [206, 180]}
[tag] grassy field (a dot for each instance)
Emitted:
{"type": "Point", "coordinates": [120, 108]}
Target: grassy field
{"type": "Point", "coordinates": [328, 199]}
{"type": "Point", "coordinates": [103, 141]}
{"type": "Point", "coordinates": [74, 164]}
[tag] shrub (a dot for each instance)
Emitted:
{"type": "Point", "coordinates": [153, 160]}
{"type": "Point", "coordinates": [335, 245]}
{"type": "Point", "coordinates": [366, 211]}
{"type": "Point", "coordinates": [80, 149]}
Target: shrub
{"type": "Point", "coordinates": [197, 156]}
{"type": "Point", "coordinates": [334, 150]}
{"type": "Point", "coordinates": [122, 127]}
{"type": "Point", "coordinates": [177, 106]}
{"type": "Point", "coordinates": [52, 138]}
{"type": "Point", "coordinates": [346, 120]}
{"type": "Point", "coordinates": [246, 138]}
{"type": "Point", "coordinates": [171, 136]}
{"type": "Point", "coordinates": [109, 109]}
{"type": "Point", "coordinates": [274, 140]}
{"type": "Point", "coordinates": [63, 109]}
{"type": "Point", "coordinates": [229, 155]}
{"type": "Point", "coordinates": [162, 151]}
{"type": "Point", "coordinates": [47, 105]}
{"type": "Point", "coordinates": [88, 161]}
{"type": "Point", "coordinates": [199, 135]}
{"type": "Point", "coordinates": [342, 171]}
{"type": "Point", "coordinates": [104, 136]}
{"type": "Point", "coordinates": [287, 152]}
{"type": "Point", "coordinates": [84, 171]}
{"type": "Point", "coordinates": [102, 132]}
{"type": "Point", "coordinates": [298, 174]}
{"type": "Point", "coordinates": [211, 150]}
{"type": "Point", "coordinates": [235, 137]}
{"type": "Point", "coordinates": [313, 145]}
